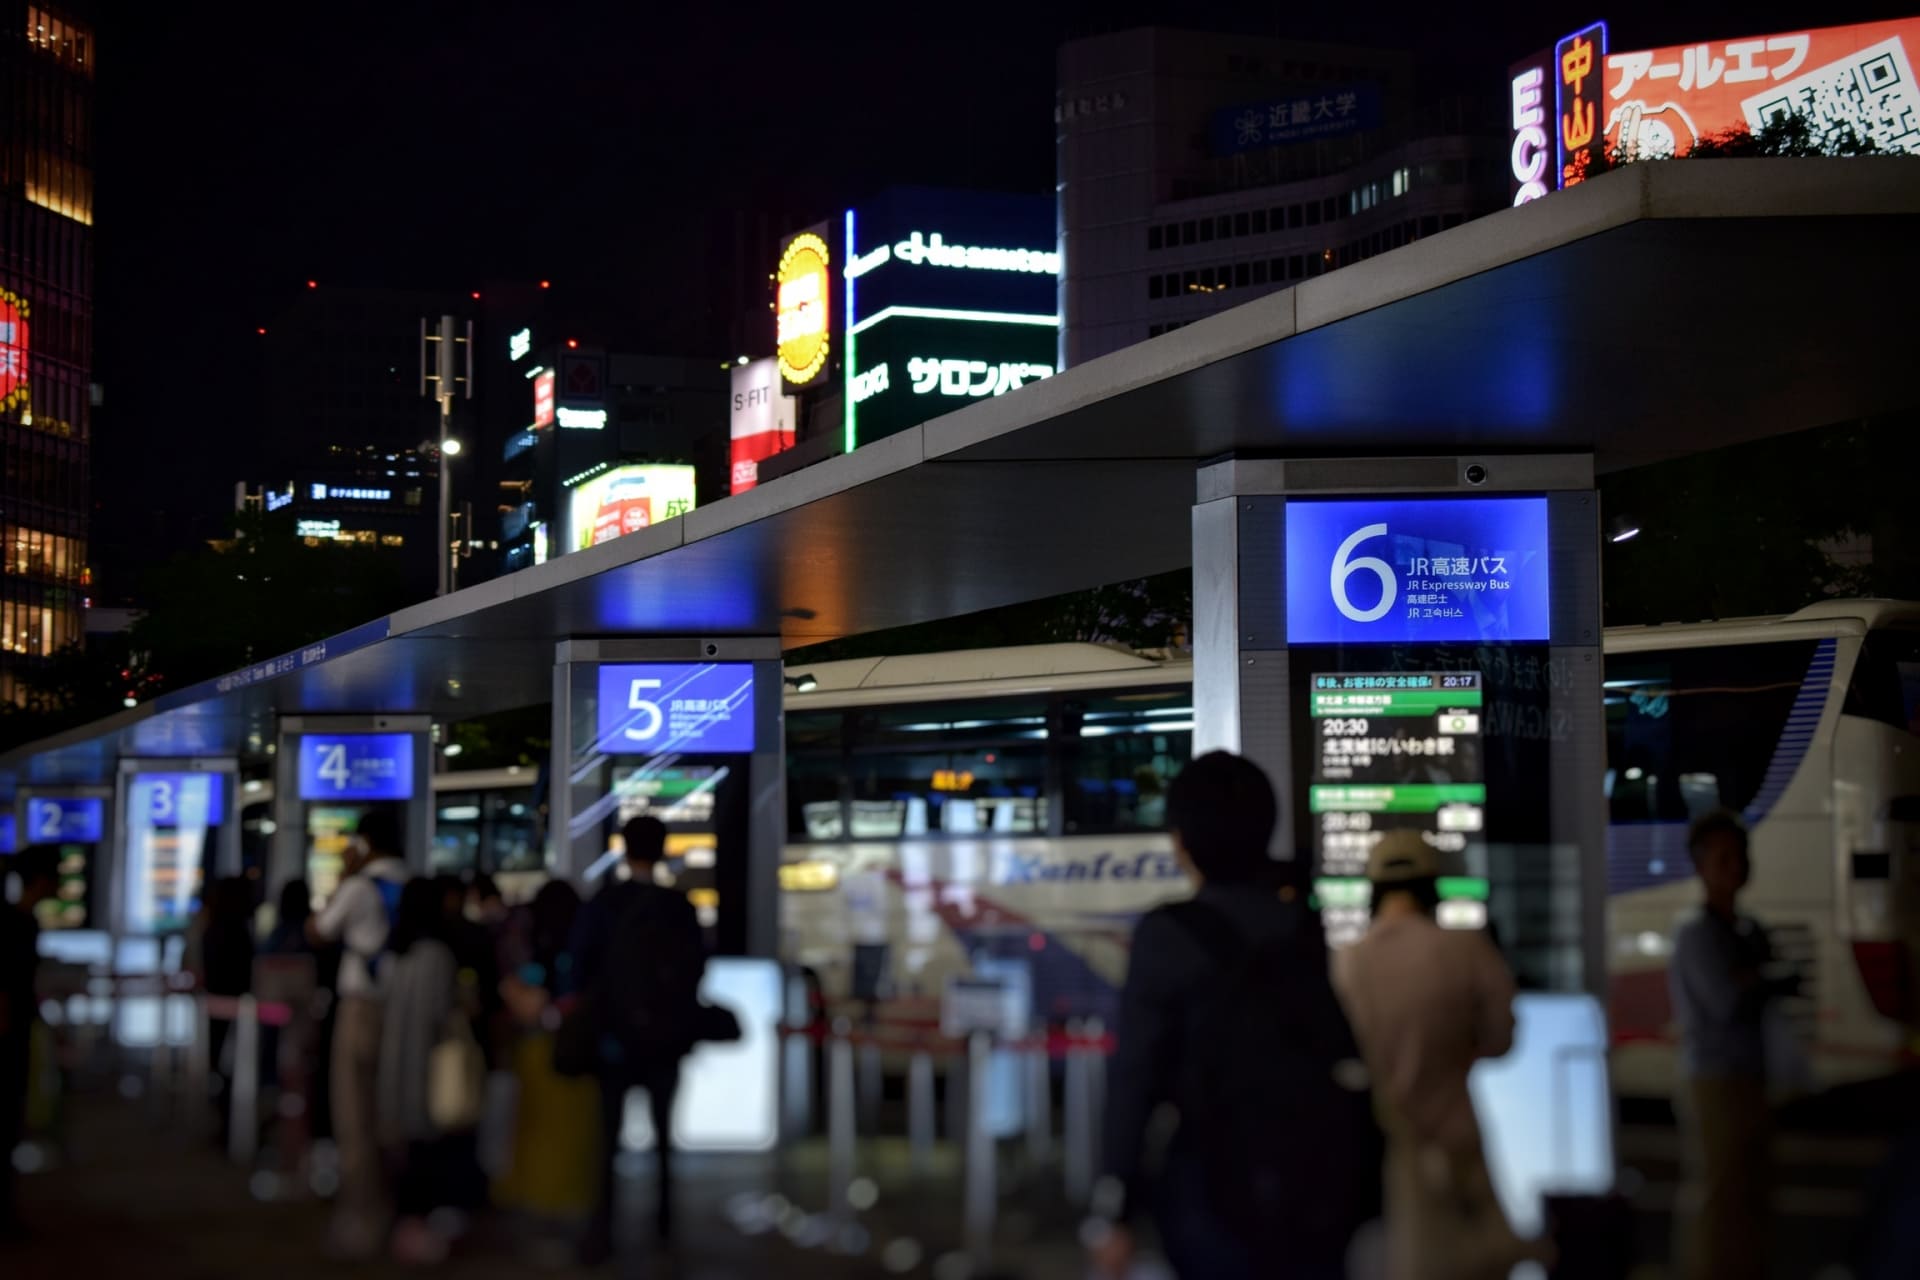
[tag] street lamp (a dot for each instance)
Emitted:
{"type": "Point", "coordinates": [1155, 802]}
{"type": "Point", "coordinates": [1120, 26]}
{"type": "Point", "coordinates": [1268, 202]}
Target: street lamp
{"type": "Point", "coordinates": [447, 385]}
{"type": "Point", "coordinates": [451, 447]}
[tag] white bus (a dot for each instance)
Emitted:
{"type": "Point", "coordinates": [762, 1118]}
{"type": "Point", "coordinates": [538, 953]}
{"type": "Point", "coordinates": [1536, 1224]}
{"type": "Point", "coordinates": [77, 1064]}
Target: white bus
{"type": "Point", "coordinates": [1010, 803]}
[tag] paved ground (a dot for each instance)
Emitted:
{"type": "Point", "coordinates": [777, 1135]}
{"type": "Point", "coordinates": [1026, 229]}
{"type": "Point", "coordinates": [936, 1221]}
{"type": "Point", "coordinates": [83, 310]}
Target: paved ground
{"type": "Point", "coordinates": [131, 1198]}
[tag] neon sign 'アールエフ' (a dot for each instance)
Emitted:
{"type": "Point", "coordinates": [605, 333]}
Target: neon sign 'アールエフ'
{"type": "Point", "coordinates": [800, 310]}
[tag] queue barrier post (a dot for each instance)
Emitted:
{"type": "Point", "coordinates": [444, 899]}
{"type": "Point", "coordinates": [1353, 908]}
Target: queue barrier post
{"type": "Point", "coordinates": [243, 1090]}
{"type": "Point", "coordinates": [920, 1110]}
{"type": "Point", "coordinates": [199, 1050]}
{"type": "Point", "coordinates": [1078, 1121]}
{"type": "Point", "coordinates": [840, 1123]}
{"type": "Point", "coordinates": [980, 1190]}
{"type": "Point", "coordinates": [1039, 1100]}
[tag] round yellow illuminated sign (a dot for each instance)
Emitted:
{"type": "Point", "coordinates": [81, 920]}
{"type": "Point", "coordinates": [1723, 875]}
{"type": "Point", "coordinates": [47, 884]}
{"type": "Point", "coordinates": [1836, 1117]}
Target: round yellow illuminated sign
{"type": "Point", "coordinates": [801, 308]}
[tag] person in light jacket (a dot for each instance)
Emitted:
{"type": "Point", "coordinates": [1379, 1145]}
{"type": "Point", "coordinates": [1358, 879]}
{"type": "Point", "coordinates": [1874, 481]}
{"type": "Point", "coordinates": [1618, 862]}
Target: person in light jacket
{"type": "Point", "coordinates": [418, 988]}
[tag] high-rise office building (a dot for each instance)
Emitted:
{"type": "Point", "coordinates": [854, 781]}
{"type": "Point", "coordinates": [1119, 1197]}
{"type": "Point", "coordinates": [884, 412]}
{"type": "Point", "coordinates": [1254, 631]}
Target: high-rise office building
{"type": "Point", "coordinates": [1197, 171]}
{"type": "Point", "coordinates": [46, 332]}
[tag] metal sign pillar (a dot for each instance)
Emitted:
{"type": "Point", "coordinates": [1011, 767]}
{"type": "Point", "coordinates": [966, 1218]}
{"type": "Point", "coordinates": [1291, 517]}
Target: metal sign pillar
{"type": "Point", "coordinates": [688, 729]}
{"type": "Point", "coordinates": [1353, 614]}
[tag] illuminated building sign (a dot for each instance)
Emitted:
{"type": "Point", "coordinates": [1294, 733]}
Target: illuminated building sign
{"type": "Point", "coordinates": [973, 378]}
{"type": "Point", "coordinates": [933, 250]}
{"type": "Point", "coordinates": [276, 499]}
{"type": "Point", "coordinates": [1656, 103]}
{"type": "Point", "coordinates": [968, 311]}
{"type": "Point", "coordinates": [582, 419]}
{"type": "Point", "coordinates": [332, 492]}
{"type": "Point", "coordinates": [1577, 61]}
{"type": "Point", "coordinates": [543, 399]}
{"type": "Point", "coordinates": [656, 707]}
{"type": "Point", "coordinates": [1532, 152]}
{"type": "Point", "coordinates": [626, 500]}
{"type": "Point", "coordinates": [761, 422]}
{"type": "Point", "coordinates": [520, 344]}
{"type": "Point", "coordinates": [1321, 112]}
{"type": "Point", "coordinates": [802, 309]}
{"type": "Point", "coordinates": [356, 766]}
{"type": "Point", "coordinates": [1365, 571]}
{"type": "Point", "coordinates": [317, 528]}
{"type": "Point", "coordinates": [13, 349]}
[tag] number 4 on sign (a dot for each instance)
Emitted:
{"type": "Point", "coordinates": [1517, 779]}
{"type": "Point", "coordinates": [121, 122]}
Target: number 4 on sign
{"type": "Point", "coordinates": [333, 766]}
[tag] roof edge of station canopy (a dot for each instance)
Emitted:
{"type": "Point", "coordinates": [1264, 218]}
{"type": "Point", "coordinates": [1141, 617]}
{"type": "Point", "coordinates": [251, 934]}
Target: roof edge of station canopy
{"type": "Point", "coordinates": [1648, 191]}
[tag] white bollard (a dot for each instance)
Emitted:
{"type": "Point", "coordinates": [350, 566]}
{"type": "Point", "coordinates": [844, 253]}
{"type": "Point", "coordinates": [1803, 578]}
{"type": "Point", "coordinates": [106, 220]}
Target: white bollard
{"type": "Point", "coordinates": [981, 1191]}
{"type": "Point", "coordinates": [920, 1112]}
{"type": "Point", "coordinates": [870, 1088]}
{"type": "Point", "coordinates": [840, 1124]}
{"type": "Point", "coordinates": [243, 1091]}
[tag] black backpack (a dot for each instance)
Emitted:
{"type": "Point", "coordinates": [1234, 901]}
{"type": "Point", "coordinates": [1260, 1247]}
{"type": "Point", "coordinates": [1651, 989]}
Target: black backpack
{"type": "Point", "coordinates": [1274, 1098]}
{"type": "Point", "coordinates": [654, 960]}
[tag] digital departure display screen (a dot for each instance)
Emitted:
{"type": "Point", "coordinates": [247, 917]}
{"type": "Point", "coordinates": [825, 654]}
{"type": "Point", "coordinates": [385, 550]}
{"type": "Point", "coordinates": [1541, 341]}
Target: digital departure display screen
{"type": "Point", "coordinates": [1393, 751]}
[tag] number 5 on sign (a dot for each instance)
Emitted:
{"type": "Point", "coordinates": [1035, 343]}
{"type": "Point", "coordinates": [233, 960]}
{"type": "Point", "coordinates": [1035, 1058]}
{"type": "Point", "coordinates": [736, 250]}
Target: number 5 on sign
{"type": "Point", "coordinates": [646, 707]}
{"type": "Point", "coordinates": [1343, 568]}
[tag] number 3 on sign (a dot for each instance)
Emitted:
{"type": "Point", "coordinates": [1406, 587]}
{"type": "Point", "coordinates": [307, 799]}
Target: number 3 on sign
{"type": "Point", "coordinates": [1343, 568]}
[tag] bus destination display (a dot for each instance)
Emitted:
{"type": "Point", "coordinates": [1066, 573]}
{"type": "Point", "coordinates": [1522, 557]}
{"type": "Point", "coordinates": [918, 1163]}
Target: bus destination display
{"type": "Point", "coordinates": [1392, 750]}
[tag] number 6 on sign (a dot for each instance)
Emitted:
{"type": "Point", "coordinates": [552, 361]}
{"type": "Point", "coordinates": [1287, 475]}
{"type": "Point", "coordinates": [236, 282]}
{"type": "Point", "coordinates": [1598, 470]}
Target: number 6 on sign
{"type": "Point", "coordinates": [1344, 568]}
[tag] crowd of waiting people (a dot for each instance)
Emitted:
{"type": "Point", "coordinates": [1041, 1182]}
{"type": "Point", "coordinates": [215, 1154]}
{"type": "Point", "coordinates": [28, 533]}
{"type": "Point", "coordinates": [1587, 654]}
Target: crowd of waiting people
{"type": "Point", "coordinates": [1324, 1122]}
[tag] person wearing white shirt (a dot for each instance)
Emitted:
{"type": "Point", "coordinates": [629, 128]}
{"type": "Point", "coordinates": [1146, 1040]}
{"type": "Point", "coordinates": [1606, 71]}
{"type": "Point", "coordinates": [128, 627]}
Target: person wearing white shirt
{"type": "Point", "coordinates": [358, 916]}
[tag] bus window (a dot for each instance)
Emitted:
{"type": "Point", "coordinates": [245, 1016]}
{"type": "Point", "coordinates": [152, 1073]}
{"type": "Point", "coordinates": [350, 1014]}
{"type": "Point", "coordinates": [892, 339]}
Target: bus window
{"type": "Point", "coordinates": [1886, 680]}
{"type": "Point", "coordinates": [952, 768]}
{"type": "Point", "coordinates": [1690, 730]}
{"type": "Point", "coordinates": [815, 768]}
{"type": "Point", "coordinates": [456, 832]}
{"type": "Point", "coordinates": [512, 842]}
{"type": "Point", "coordinates": [1118, 752]}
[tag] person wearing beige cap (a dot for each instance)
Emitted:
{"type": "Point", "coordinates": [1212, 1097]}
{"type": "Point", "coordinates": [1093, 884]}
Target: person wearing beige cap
{"type": "Point", "coordinates": [1427, 1003]}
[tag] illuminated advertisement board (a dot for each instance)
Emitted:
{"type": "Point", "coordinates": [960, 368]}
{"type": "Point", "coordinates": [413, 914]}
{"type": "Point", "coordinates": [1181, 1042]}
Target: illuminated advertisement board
{"type": "Point", "coordinates": [1660, 101]}
{"type": "Point", "coordinates": [761, 420]}
{"type": "Point", "coordinates": [8, 843]}
{"type": "Point", "coordinates": [1417, 570]}
{"type": "Point", "coordinates": [626, 500]}
{"type": "Point", "coordinates": [949, 297]}
{"type": "Point", "coordinates": [1582, 100]}
{"type": "Point", "coordinates": [356, 766]}
{"type": "Point", "coordinates": [1577, 64]}
{"type": "Point", "coordinates": [13, 349]}
{"type": "Point", "coordinates": [653, 707]}
{"type": "Point", "coordinates": [803, 308]}
{"type": "Point", "coordinates": [543, 399]}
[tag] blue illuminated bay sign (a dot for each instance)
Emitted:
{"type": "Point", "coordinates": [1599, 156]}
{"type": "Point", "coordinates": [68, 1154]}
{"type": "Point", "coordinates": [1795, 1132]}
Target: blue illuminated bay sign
{"type": "Point", "coordinates": [356, 766]}
{"type": "Point", "coordinates": [64, 820]}
{"type": "Point", "coordinates": [1445, 570]}
{"type": "Point", "coordinates": [188, 800]}
{"type": "Point", "coordinates": [650, 708]}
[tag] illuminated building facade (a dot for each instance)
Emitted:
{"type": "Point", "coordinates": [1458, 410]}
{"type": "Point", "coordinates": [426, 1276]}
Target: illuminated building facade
{"type": "Point", "coordinates": [46, 332]}
{"type": "Point", "coordinates": [1198, 171]}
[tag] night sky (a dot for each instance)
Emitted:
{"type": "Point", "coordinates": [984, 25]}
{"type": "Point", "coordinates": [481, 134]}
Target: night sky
{"type": "Point", "coordinates": [243, 150]}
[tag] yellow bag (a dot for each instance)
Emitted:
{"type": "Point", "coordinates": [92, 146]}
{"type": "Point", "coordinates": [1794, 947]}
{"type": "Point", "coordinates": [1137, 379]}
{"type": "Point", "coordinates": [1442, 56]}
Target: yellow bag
{"type": "Point", "coordinates": [555, 1164]}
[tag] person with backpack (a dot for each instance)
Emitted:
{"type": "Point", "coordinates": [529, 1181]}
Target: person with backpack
{"type": "Point", "coordinates": [1228, 1013]}
{"type": "Point", "coordinates": [1427, 1004]}
{"type": "Point", "coordinates": [360, 917]}
{"type": "Point", "coordinates": [638, 958]}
